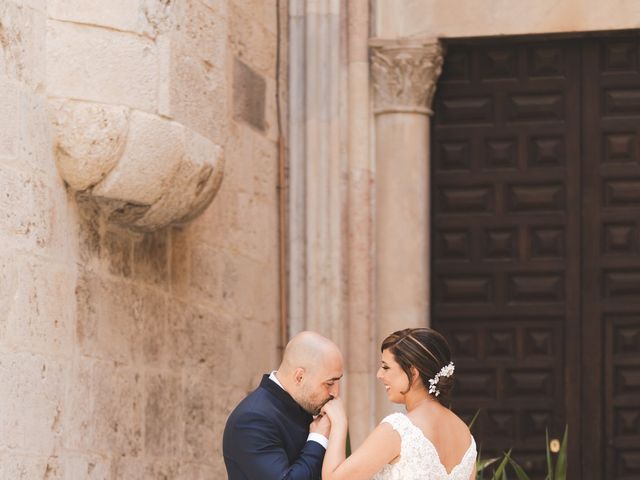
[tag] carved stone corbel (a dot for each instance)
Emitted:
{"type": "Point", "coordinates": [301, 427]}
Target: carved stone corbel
{"type": "Point", "coordinates": [404, 74]}
{"type": "Point", "coordinates": [144, 170]}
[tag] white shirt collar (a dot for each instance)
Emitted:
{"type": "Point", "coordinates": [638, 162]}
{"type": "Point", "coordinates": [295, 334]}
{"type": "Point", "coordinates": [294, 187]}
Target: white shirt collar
{"type": "Point", "coordinates": [274, 379]}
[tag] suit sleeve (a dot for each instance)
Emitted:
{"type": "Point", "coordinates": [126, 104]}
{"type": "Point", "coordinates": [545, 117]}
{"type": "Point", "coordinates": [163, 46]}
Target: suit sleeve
{"type": "Point", "coordinates": [258, 451]}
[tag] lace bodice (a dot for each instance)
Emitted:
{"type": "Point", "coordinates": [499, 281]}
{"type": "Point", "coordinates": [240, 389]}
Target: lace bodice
{"type": "Point", "coordinates": [419, 459]}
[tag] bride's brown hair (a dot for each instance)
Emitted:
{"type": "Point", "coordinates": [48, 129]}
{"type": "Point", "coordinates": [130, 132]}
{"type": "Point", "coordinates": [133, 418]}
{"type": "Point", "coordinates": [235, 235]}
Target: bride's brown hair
{"type": "Point", "coordinates": [426, 350]}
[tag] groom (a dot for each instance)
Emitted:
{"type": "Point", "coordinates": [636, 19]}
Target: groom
{"type": "Point", "coordinates": [272, 433]}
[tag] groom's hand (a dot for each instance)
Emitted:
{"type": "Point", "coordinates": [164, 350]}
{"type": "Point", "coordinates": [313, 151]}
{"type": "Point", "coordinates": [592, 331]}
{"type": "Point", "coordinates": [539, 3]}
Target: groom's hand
{"type": "Point", "coordinates": [322, 425]}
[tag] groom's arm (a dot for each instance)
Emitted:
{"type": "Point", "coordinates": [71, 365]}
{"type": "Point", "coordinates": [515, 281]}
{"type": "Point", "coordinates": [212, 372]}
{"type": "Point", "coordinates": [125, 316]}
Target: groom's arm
{"type": "Point", "coordinates": [260, 454]}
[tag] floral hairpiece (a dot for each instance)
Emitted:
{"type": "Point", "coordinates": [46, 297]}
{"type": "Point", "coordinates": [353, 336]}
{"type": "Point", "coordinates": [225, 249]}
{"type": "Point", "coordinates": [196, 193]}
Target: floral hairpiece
{"type": "Point", "coordinates": [446, 372]}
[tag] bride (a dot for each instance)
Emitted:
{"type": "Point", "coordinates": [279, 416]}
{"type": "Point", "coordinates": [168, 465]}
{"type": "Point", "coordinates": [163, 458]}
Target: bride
{"type": "Point", "coordinates": [429, 442]}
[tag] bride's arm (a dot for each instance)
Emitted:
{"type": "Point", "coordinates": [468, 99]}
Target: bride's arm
{"type": "Point", "coordinates": [382, 446]}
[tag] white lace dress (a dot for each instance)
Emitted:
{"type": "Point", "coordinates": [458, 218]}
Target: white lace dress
{"type": "Point", "coordinates": [419, 459]}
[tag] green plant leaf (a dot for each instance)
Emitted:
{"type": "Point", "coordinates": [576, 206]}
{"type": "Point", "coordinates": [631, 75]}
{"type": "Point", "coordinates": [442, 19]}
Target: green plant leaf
{"type": "Point", "coordinates": [550, 474]}
{"type": "Point", "coordinates": [520, 473]}
{"type": "Point", "coordinates": [498, 475]}
{"type": "Point", "coordinates": [482, 464]}
{"type": "Point", "coordinates": [561, 462]}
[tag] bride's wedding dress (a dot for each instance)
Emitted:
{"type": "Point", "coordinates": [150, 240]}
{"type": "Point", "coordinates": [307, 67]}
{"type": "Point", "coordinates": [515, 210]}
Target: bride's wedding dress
{"type": "Point", "coordinates": [419, 459]}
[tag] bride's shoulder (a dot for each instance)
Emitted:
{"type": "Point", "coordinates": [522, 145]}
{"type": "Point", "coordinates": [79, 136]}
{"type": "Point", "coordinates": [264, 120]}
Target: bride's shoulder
{"type": "Point", "coordinates": [398, 421]}
{"type": "Point", "coordinates": [431, 422]}
{"type": "Point", "coordinates": [395, 418]}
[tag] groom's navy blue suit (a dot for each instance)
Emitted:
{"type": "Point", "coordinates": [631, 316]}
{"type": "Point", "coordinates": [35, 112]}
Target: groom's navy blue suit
{"type": "Point", "coordinates": [266, 438]}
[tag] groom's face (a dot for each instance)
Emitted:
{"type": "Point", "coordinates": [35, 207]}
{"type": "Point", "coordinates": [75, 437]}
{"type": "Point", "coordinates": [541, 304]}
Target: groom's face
{"type": "Point", "coordinates": [320, 385]}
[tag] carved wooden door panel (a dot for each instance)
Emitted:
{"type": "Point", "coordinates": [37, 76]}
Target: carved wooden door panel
{"type": "Point", "coordinates": [611, 262]}
{"type": "Point", "coordinates": [536, 245]}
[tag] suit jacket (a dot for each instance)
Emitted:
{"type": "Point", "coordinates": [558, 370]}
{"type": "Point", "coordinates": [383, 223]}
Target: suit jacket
{"type": "Point", "coordinates": [266, 438]}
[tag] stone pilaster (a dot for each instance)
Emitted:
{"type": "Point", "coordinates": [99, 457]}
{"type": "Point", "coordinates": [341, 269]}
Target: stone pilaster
{"type": "Point", "coordinates": [404, 75]}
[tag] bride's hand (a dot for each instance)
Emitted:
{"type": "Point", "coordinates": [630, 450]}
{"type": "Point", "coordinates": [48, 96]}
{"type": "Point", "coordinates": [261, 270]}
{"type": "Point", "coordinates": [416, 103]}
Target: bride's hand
{"type": "Point", "coordinates": [334, 409]}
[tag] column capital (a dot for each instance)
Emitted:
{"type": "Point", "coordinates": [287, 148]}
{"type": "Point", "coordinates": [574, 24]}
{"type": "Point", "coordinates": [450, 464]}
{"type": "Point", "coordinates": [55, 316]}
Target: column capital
{"type": "Point", "coordinates": [404, 74]}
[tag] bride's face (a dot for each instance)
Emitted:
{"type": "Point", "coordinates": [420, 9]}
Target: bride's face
{"type": "Point", "coordinates": [395, 381]}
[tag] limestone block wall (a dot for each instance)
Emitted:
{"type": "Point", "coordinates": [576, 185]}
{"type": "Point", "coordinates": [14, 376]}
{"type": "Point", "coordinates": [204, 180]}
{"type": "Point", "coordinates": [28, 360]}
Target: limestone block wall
{"type": "Point", "coordinates": [127, 88]}
{"type": "Point", "coordinates": [469, 18]}
{"type": "Point", "coordinates": [122, 352]}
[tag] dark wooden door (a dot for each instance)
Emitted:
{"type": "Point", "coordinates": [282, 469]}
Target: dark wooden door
{"type": "Point", "coordinates": [536, 245]}
{"type": "Point", "coordinates": [611, 261]}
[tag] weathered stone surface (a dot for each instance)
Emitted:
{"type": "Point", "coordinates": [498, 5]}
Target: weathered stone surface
{"type": "Point", "coordinates": [22, 40]}
{"type": "Point", "coordinates": [87, 467]}
{"type": "Point", "coordinates": [110, 319]}
{"type": "Point", "coordinates": [253, 235]}
{"type": "Point", "coordinates": [9, 275]}
{"type": "Point", "coordinates": [107, 405]}
{"type": "Point", "coordinates": [89, 140]}
{"type": "Point", "coordinates": [133, 347]}
{"type": "Point", "coordinates": [197, 68]}
{"type": "Point", "coordinates": [146, 171]}
{"type": "Point", "coordinates": [193, 184]}
{"type": "Point", "coordinates": [248, 95]}
{"type": "Point", "coordinates": [196, 471]}
{"type": "Point", "coordinates": [35, 153]}
{"type": "Point", "coordinates": [156, 344]}
{"type": "Point", "coordinates": [180, 258]}
{"type": "Point", "coordinates": [117, 251]}
{"type": "Point", "coordinates": [151, 262]}
{"type": "Point", "coordinates": [100, 65]}
{"type": "Point", "coordinates": [198, 340]}
{"type": "Point", "coordinates": [163, 419]}
{"type": "Point", "coordinates": [249, 289]}
{"type": "Point", "coordinates": [251, 38]}
{"type": "Point", "coordinates": [151, 154]}
{"type": "Point", "coordinates": [24, 213]}
{"type": "Point", "coordinates": [9, 101]}
{"type": "Point", "coordinates": [241, 222]}
{"type": "Point", "coordinates": [33, 390]}
{"type": "Point", "coordinates": [155, 17]}
{"type": "Point", "coordinates": [473, 19]}
{"type": "Point", "coordinates": [89, 229]}
{"type": "Point", "coordinates": [37, 318]}
{"type": "Point", "coordinates": [148, 469]}
{"type": "Point", "coordinates": [404, 74]}
{"type": "Point", "coordinates": [117, 14]}
{"type": "Point", "coordinates": [205, 271]}
{"type": "Point", "coordinates": [257, 156]}
{"type": "Point", "coordinates": [233, 282]}
{"type": "Point", "coordinates": [39, 5]}
{"type": "Point", "coordinates": [29, 467]}
{"type": "Point", "coordinates": [200, 434]}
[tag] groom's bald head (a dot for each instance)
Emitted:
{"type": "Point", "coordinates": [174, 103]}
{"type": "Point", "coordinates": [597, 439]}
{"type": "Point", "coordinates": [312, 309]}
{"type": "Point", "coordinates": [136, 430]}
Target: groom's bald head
{"type": "Point", "coordinates": [311, 369]}
{"type": "Point", "coordinates": [310, 351]}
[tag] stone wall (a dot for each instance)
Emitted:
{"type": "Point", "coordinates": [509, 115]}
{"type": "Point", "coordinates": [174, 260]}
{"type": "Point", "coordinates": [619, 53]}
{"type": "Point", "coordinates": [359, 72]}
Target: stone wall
{"type": "Point", "coordinates": [470, 18]}
{"type": "Point", "coordinates": [122, 353]}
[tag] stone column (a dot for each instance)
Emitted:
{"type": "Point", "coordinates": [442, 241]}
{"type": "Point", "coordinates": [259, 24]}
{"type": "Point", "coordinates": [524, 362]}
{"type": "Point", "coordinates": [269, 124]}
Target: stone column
{"type": "Point", "coordinates": [330, 196]}
{"type": "Point", "coordinates": [404, 75]}
{"type": "Point", "coordinates": [361, 362]}
{"type": "Point", "coordinates": [316, 168]}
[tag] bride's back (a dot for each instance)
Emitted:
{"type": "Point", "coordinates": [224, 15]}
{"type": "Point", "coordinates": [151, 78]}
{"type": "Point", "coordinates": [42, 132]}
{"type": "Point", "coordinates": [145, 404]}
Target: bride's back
{"type": "Point", "coordinates": [448, 434]}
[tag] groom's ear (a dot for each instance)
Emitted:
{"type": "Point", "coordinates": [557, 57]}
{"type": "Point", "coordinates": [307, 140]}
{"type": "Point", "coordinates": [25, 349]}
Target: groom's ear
{"type": "Point", "coordinates": [298, 374]}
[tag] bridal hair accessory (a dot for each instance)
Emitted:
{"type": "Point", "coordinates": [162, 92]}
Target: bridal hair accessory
{"type": "Point", "coordinates": [446, 372]}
